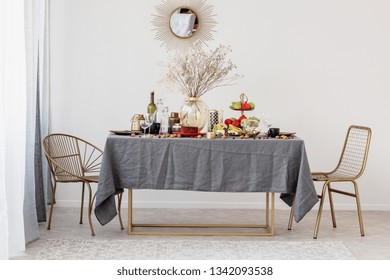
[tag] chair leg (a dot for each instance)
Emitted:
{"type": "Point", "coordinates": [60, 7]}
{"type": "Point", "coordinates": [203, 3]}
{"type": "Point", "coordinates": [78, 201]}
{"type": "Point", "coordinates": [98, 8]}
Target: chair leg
{"type": "Point", "coordinates": [82, 204]}
{"type": "Point", "coordinates": [290, 221]}
{"type": "Point", "coordinates": [53, 194]}
{"type": "Point", "coordinates": [317, 226]}
{"type": "Point", "coordinates": [93, 198]}
{"type": "Point", "coordinates": [90, 209]}
{"type": "Point", "coordinates": [331, 206]}
{"type": "Point", "coordinates": [119, 210]}
{"type": "Point", "coordinates": [359, 210]}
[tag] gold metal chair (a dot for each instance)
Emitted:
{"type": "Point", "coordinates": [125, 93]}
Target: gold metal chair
{"type": "Point", "coordinates": [73, 160]}
{"type": "Point", "coordinates": [350, 167]}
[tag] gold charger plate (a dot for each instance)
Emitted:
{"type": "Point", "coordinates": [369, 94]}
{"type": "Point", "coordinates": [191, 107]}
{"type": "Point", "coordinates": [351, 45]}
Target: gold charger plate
{"type": "Point", "coordinates": [124, 132]}
{"type": "Point", "coordinates": [189, 134]}
{"type": "Point", "coordinates": [288, 134]}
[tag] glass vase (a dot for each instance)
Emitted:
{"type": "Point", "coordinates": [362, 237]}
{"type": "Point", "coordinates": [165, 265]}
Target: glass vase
{"type": "Point", "coordinates": [194, 113]}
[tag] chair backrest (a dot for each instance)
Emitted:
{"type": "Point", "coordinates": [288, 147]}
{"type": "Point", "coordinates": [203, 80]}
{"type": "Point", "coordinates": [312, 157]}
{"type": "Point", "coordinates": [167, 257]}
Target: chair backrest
{"type": "Point", "coordinates": [70, 158]}
{"type": "Point", "coordinates": [355, 152]}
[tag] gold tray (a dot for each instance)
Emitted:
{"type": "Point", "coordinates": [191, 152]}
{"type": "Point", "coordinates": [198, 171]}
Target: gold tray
{"type": "Point", "coordinates": [288, 134]}
{"type": "Point", "coordinates": [125, 132]}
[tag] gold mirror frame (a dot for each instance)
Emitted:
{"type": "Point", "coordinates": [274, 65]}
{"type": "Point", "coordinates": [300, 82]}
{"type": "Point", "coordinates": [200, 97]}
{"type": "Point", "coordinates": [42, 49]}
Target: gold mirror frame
{"type": "Point", "coordinates": [203, 33]}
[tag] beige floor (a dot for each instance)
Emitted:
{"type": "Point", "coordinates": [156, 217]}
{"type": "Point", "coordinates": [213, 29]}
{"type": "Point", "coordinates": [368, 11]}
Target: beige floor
{"type": "Point", "coordinates": [375, 245]}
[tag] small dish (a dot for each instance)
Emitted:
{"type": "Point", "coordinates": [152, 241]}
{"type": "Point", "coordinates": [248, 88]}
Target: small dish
{"type": "Point", "coordinates": [124, 132]}
{"type": "Point", "coordinates": [288, 134]}
{"type": "Point", "coordinates": [254, 134]}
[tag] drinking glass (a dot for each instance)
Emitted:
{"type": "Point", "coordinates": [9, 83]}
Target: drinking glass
{"type": "Point", "coordinates": [147, 122]}
{"type": "Point", "coordinates": [265, 118]}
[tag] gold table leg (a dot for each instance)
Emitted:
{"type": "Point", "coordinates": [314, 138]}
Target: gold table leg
{"type": "Point", "coordinates": [290, 220]}
{"type": "Point", "coordinates": [273, 215]}
{"type": "Point", "coordinates": [269, 228]}
{"type": "Point", "coordinates": [130, 212]}
{"type": "Point", "coordinates": [267, 208]}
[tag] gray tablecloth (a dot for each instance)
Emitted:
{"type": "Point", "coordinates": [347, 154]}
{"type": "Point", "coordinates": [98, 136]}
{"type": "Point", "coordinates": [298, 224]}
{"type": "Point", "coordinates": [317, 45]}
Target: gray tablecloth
{"type": "Point", "coordinates": [230, 165]}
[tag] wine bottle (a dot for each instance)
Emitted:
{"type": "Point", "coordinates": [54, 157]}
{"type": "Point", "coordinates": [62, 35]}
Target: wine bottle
{"type": "Point", "coordinates": [151, 110]}
{"type": "Point", "coordinates": [151, 106]}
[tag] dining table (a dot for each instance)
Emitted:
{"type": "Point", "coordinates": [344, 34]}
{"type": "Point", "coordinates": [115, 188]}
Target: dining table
{"type": "Point", "coordinates": [232, 164]}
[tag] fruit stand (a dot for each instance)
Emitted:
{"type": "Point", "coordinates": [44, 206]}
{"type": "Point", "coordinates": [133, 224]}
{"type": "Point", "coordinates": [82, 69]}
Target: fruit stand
{"type": "Point", "coordinates": [242, 125]}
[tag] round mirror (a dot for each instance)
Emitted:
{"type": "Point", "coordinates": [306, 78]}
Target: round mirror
{"type": "Point", "coordinates": [183, 22]}
{"type": "Point", "coordinates": [181, 27]}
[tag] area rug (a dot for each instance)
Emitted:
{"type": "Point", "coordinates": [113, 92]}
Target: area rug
{"type": "Point", "coordinates": [70, 249]}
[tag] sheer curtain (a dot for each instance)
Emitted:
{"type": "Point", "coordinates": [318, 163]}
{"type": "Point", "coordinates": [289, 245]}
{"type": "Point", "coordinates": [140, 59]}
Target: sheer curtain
{"type": "Point", "coordinates": [37, 179]}
{"type": "Point", "coordinates": [23, 121]}
{"type": "Point", "coordinates": [12, 126]}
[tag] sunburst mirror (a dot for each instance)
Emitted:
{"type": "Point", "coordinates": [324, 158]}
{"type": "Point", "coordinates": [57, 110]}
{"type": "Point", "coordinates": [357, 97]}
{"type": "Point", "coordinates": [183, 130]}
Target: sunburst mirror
{"type": "Point", "coordinates": [181, 24]}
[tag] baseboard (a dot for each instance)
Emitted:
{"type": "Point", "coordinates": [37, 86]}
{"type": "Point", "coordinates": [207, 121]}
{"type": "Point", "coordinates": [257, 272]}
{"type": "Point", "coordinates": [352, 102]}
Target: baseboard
{"type": "Point", "coordinates": [224, 205]}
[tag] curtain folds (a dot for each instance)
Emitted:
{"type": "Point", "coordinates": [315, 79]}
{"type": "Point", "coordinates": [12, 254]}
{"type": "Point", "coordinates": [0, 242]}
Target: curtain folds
{"type": "Point", "coordinates": [12, 126]}
{"type": "Point", "coordinates": [23, 121]}
{"type": "Point", "coordinates": [37, 179]}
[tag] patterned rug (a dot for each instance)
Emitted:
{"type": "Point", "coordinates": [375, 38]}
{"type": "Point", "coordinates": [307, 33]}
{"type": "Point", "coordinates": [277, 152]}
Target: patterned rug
{"type": "Point", "coordinates": [68, 249]}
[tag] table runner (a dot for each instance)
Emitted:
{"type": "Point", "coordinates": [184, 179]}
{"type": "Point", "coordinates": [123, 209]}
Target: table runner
{"type": "Point", "coordinates": [229, 165]}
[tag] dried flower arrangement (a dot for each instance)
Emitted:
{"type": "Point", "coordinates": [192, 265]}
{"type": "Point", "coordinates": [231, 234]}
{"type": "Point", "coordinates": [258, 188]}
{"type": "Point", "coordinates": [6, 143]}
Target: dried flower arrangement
{"type": "Point", "coordinates": [199, 71]}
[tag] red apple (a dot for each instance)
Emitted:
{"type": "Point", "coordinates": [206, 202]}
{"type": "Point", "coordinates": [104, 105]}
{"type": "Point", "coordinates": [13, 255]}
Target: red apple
{"type": "Point", "coordinates": [236, 123]}
{"type": "Point", "coordinates": [228, 121]}
{"type": "Point", "coordinates": [246, 106]}
{"type": "Point", "coordinates": [241, 118]}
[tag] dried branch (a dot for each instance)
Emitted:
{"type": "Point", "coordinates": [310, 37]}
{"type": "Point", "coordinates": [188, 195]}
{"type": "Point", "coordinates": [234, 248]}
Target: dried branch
{"type": "Point", "coordinates": [200, 71]}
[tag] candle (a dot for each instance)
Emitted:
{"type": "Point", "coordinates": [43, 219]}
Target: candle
{"type": "Point", "coordinates": [210, 135]}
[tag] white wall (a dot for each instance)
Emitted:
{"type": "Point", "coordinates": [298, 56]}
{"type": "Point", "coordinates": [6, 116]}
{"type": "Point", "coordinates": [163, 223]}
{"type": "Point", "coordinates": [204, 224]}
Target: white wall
{"type": "Point", "coordinates": [316, 66]}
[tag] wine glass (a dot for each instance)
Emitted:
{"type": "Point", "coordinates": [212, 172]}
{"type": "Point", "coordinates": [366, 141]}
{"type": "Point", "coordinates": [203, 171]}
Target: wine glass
{"type": "Point", "coordinates": [147, 122]}
{"type": "Point", "coordinates": [265, 118]}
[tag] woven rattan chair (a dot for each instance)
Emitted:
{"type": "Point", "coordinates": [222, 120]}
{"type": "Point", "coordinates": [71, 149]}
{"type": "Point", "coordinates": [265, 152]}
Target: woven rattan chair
{"type": "Point", "coordinates": [73, 160]}
{"type": "Point", "coordinates": [350, 167]}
